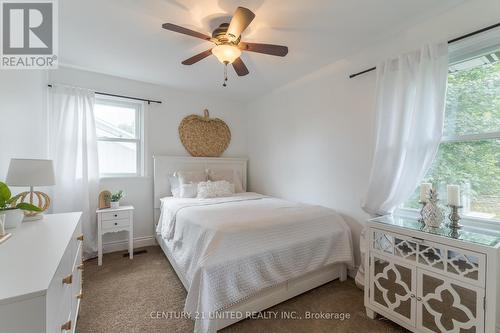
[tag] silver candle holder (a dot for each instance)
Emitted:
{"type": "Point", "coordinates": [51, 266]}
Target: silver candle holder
{"type": "Point", "coordinates": [454, 233]}
{"type": "Point", "coordinates": [454, 218]}
{"type": "Point", "coordinates": [421, 219]}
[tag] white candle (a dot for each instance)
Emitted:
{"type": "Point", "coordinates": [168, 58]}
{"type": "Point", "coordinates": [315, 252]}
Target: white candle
{"type": "Point", "coordinates": [453, 195]}
{"type": "Point", "coordinates": [424, 191]}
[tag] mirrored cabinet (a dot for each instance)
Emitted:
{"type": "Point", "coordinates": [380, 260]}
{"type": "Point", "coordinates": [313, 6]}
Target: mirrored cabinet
{"type": "Point", "coordinates": [432, 280]}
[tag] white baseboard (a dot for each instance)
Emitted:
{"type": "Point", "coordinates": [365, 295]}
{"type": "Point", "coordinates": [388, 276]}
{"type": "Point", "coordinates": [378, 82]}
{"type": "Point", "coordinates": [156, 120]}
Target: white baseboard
{"type": "Point", "coordinates": [122, 245]}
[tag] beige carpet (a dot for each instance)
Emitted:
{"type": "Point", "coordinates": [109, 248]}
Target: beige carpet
{"type": "Point", "coordinates": [120, 296]}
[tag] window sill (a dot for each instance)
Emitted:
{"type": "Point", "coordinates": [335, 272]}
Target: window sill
{"type": "Point", "coordinates": [479, 225]}
{"type": "Point", "coordinates": [118, 177]}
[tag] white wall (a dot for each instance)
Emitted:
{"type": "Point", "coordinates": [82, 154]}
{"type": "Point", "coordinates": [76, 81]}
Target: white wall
{"type": "Point", "coordinates": [22, 116]}
{"type": "Point", "coordinates": [311, 140]}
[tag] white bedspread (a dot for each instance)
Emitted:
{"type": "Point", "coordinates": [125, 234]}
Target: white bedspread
{"type": "Point", "coordinates": [228, 249]}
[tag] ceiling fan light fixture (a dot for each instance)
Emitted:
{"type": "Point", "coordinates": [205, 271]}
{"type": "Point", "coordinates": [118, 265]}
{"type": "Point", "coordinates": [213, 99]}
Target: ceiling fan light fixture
{"type": "Point", "coordinates": [226, 54]}
{"type": "Point", "coordinates": [228, 44]}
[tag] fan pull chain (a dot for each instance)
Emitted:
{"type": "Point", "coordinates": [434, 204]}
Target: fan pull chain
{"type": "Point", "coordinates": [225, 74]}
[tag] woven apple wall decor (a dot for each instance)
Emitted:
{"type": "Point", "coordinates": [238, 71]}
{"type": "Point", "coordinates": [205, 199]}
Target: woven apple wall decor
{"type": "Point", "coordinates": [203, 136]}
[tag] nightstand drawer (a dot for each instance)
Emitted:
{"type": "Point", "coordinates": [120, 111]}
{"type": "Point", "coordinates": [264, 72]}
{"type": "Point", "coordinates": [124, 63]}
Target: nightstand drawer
{"type": "Point", "coordinates": [115, 215]}
{"type": "Point", "coordinates": [109, 224]}
{"type": "Point", "coordinates": [455, 262]}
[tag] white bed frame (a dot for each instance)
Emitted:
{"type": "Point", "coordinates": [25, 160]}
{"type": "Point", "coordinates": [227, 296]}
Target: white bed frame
{"type": "Point", "coordinates": [165, 166]}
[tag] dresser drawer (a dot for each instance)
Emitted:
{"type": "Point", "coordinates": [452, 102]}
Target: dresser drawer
{"type": "Point", "coordinates": [110, 224]}
{"type": "Point", "coordinates": [63, 286]}
{"type": "Point", "coordinates": [115, 215]}
{"type": "Point", "coordinates": [77, 261]}
{"type": "Point", "coordinates": [65, 308]}
{"type": "Point", "coordinates": [58, 294]}
{"type": "Point", "coordinates": [76, 286]}
{"type": "Point", "coordinates": [76, 294]}
{"type": "Point", "coordinates": [448, 260]}
{"type": "Point", "coordinates": [76, 244]}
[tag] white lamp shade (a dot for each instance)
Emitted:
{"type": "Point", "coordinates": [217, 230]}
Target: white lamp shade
{"type": "Point", "coordinates": [226, 53]}
{"type": "Point", "coordinates": [30, 172]}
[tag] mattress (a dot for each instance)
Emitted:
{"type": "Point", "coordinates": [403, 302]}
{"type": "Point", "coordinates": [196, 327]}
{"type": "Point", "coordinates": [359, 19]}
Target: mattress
{"type": "Point", "coordinates": [229, 249]}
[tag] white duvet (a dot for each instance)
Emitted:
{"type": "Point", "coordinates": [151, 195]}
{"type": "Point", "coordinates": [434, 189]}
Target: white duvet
{"type": "Point", "coordinates": [228, 249]}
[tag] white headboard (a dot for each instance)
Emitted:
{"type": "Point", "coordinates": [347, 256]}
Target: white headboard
{"type": "Point", "coordinates": [165, 166]}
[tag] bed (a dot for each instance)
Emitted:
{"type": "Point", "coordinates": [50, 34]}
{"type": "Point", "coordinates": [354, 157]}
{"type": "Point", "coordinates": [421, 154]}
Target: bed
{"type": "Point", "coordinates": [242, 254]}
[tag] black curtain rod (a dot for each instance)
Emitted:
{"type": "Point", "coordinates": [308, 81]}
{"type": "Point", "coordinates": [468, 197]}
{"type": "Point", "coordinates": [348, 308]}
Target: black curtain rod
{"type": "Point", "coordinates": [121, 96]}
{"type": "Point", "coordinates": [449, 42]}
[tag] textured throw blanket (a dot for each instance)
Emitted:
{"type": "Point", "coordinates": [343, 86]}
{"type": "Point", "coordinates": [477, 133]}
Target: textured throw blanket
{"type": "Point", "coordinates": [228, 249]}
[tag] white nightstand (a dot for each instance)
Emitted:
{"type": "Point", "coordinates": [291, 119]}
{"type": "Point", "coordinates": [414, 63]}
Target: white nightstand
{"type": "Point", "coordinates": [111, 220]}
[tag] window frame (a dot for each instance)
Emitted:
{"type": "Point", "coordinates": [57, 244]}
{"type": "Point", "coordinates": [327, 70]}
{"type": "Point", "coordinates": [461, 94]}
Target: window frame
{"type": "Point", "coordinates": [471, 137]}
{"type": "Point", "coordinates": [139, 132]}
{"type": "Point", "coordinates": [468, 49]}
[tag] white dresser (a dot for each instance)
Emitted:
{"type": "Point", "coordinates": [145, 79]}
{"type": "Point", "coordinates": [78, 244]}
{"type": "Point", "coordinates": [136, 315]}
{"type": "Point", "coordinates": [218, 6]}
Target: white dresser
{"type": "Point", "coordinates": [432, 280]}
{"type": "Point", "coordinates": [40, 276]}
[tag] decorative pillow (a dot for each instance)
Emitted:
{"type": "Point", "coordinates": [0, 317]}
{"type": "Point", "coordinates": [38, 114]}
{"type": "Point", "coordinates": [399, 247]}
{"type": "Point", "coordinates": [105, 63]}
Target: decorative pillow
{"type": "Point", "coordinates": [215, 189]}
{"type": "Point", "coordinates": [228, 175]}
{"type": "Point", "coordinates": [187, 177]}
{"type": "Point", "coordinates": [174, 186]}
{"type": "Point", "coordinates": [188, 190]}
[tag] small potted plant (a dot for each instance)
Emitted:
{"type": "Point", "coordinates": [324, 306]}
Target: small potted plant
{"type": "Point", "coordinates": [115, 199]}
{"type": "Point", "coordinates": [8, 207]}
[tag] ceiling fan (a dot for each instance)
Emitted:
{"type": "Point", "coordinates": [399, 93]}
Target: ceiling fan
{"type": "Point", "coordinates": [228, 44]}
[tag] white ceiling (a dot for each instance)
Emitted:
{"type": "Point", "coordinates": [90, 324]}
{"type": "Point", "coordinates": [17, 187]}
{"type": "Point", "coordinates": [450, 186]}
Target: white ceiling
{"type": "Point", "coordinates": [125, 38]}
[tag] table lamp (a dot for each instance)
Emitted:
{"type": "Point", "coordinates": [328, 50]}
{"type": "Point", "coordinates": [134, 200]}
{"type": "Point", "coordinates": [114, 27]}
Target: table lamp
{"type": "Point", "coordinates": [32, 172]}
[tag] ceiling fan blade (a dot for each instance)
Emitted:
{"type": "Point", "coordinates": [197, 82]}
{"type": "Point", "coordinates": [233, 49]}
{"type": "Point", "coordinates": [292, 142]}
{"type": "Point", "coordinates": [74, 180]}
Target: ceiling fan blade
{"type": "Point", "coordinates": [275, 50]}
{"type": "Point", "coordinates": [239, 67]}
{"type": "Point", "coordinates": [198, 57]}
{"type": "Point", "coordinates": [240, 21]}
{"type": "Point", "coordinates": [185, 31]}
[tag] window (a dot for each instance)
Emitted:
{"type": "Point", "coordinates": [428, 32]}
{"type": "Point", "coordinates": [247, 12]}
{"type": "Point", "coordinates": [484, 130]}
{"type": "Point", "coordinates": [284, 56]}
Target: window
{"type": "Point", "coordinates": [119, 136]}
{"type": "Point", "coordinates": [469, 154]}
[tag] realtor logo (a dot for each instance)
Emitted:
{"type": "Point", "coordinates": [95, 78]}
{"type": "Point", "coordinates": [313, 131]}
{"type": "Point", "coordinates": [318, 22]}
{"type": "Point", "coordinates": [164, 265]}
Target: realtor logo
{"type": "Point", "coordinates": [29, 34]}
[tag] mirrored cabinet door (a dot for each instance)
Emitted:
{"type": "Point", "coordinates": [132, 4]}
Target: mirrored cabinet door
{"type": "Point", "coordinates": [393, 288]}
{"type": "Point", "coordinates": [446, 305]}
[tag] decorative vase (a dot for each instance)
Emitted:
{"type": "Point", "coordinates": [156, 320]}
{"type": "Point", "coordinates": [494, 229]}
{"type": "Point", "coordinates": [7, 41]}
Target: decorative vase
{"type": "Point", "coordinates": [115, 204]}
{"type": "Point", "coordinates": [13, 218]}
{"type": "Point", "coordinates": [432, 213]}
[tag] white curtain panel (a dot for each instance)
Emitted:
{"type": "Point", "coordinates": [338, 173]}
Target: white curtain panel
{"type": "Point", "coordinates": [411, 92]}
{"type": "Point", "coordinates": [73, 148]}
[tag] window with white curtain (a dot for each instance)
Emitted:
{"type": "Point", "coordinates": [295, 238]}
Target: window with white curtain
{"type": "Point", "coordinates": [469, 154]}
{"type": "Point", "coordinates": [119, 129]}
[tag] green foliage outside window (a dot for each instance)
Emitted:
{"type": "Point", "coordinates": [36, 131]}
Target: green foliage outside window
{"type": "Point", "coordinates": [472, 107]}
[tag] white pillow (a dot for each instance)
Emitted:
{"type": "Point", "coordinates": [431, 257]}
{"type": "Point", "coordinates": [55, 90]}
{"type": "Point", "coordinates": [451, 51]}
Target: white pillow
{"type": "Point", "coordinates": [210, 189]}
{"type": "Point", "coordinates": [184, 184]}
{"type": "Point", "coordinates": [228, 175]}
{"type": "Point", "coordinates": [188, 190]}
{"type": "Point", "coordinates": [174, 186]}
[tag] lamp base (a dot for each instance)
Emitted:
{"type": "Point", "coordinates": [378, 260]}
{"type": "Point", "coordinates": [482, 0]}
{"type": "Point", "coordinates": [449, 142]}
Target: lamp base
{"type": "Point", "coordinates": [42, 202]}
